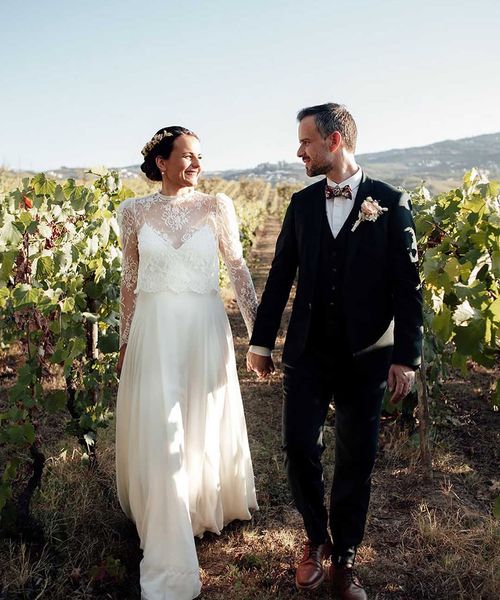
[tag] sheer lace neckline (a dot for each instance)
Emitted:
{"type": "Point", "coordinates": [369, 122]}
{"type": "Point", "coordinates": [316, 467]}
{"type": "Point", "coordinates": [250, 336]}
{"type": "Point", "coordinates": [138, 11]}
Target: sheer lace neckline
{"type": "Point", "coordinates": [182, 196]}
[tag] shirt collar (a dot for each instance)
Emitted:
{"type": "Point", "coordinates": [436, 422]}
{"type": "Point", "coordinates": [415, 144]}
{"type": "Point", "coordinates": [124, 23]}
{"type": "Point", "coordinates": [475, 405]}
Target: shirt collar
{"type": "Point", "coordinates": [354, 180]}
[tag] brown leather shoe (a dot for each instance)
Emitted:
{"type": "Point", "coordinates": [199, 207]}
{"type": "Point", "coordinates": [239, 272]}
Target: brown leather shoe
{"type": "Point", "coordinates": [310, 571]}
{"type": "Point", "coordinates": [347, 583]}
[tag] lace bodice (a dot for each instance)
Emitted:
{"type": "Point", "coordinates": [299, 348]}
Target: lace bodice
{"type": "Point", "coordinates": [170, 243]}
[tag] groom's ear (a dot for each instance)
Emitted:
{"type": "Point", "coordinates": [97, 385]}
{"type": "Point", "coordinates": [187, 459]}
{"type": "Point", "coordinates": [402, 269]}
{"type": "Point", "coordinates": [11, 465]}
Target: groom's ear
{"type": "Point", "coordinates": [334, 141]}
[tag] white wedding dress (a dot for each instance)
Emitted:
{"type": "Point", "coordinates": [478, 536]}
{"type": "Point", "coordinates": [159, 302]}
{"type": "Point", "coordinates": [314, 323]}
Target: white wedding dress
{"type": "Point", "coordinates": [182, 457]}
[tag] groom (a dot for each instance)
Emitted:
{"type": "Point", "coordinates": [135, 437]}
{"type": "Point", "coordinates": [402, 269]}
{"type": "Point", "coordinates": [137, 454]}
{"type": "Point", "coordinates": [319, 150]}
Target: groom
{"type": "Point", "coordinates": [356, 326]}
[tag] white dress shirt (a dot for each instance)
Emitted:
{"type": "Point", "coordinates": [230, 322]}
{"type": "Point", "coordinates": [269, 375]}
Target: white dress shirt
{"type": "Point", "coordinates": [337, 211]}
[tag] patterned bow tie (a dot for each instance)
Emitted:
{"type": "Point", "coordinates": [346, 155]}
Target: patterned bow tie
{"type": "Point", "coordinates": [337, 191]}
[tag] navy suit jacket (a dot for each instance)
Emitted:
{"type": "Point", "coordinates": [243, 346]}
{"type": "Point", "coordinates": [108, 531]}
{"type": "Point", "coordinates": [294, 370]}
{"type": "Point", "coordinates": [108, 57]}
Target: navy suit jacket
{"type": "Point", "coordinates": [381, 292]}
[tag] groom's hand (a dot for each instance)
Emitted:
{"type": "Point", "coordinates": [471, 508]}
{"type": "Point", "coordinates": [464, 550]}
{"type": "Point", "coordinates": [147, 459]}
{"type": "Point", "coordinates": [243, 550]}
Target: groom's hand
{"type": "Point", "coordinates": [400, 381]}
{"type": "Point", "coordinates": [262, 365]}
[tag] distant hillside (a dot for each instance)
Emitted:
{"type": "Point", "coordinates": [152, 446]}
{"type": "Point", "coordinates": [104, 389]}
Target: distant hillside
{"type": "Point", "coordinates": [441, 165]}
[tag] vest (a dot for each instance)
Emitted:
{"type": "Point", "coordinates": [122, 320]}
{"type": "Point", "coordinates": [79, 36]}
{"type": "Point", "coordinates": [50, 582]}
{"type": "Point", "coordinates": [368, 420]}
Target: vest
{"type": "Point", "coordinates": [327, 329]}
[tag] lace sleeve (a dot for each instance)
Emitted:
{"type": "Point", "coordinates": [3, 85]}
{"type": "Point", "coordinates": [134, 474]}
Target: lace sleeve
{"type": "Point", "coordinates": [130, 266]}
{"type": "Point", "coordinates": [232, 254]}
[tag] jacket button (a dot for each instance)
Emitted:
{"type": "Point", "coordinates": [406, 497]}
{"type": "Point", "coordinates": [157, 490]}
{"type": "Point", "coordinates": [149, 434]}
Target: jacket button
{"type": "Point", "coordinates": [309, 306]}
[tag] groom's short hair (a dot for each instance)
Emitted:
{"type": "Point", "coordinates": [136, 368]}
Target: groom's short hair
{"type": "Point", "coordinates": [332, 117]}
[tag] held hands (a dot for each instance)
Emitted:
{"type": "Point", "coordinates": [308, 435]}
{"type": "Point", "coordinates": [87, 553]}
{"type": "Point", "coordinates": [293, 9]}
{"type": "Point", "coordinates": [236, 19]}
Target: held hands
{"type": "Point", "coordinates": [400, 381]}
{"type": "Point", "coordinates": [262, 365]}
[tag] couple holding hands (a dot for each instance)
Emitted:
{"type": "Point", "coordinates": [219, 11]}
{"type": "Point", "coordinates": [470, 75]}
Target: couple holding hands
{"type": "Point", "coordinates": [182, 454]}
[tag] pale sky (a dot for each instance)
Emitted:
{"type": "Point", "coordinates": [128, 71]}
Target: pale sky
{"type": "Point", "coordinates": [88, 83]}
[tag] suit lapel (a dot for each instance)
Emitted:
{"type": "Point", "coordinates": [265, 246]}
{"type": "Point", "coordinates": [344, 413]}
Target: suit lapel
{"type": "Point", "coordinates": [353, 237]}
{"type": "Point", "coordinates": [315, 213]}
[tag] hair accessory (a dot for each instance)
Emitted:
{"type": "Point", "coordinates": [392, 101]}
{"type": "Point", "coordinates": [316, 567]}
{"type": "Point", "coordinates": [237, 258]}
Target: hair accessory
{"type": "Point", "coordinates": [155, 140]}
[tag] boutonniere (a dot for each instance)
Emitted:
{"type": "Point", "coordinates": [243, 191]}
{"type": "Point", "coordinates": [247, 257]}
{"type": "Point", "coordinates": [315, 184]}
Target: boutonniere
{"type": "Point", "coordinates": [370, 211]}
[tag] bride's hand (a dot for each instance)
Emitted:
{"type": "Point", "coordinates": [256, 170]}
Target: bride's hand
{"type": "Point", "coordinates": [119, 364]}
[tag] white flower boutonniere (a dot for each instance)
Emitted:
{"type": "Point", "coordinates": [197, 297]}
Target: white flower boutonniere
{"type": "Point", "coordinates": [370, 211]}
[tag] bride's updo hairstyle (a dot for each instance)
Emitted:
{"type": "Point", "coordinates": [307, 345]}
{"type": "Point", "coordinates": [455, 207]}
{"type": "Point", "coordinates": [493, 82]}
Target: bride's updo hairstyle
{"type": "Point", "coordinates": [161, 144]}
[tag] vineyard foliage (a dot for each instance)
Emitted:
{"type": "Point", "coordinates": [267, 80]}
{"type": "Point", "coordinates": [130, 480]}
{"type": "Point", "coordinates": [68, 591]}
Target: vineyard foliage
{"type": "Point", "coordinates": [458, 237]}
{"type": "Point", "coordinates": [59, 300]}
{"type": "Point", "coordinates": [59, 276]}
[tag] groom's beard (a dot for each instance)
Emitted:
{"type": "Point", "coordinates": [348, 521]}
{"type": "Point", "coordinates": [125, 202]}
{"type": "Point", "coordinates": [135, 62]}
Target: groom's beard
{"type": "Point", "coordinates": [314, 169]}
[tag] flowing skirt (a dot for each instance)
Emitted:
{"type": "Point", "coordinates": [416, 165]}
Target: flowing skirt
{"type": "Point", "coordinates": [182, 457]}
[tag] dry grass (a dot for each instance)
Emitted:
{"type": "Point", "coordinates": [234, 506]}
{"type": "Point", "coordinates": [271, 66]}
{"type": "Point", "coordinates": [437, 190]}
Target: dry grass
{"type": "Point", "coordinates": [424, 541]}
{"type": "Point", "coordinates": [83, 526]}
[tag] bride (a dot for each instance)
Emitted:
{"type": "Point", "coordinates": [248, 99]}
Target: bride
{"type": "Point", "coordinates": [182, 457]}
